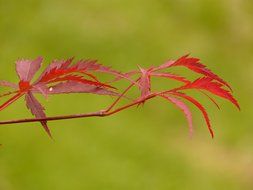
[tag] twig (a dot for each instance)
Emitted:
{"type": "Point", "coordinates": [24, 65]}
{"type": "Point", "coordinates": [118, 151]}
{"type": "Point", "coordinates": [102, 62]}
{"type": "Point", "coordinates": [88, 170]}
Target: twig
{"type": "Point", "coordinates": [101, 113]}
{"type": "Point", "coordinates": [121, 95]}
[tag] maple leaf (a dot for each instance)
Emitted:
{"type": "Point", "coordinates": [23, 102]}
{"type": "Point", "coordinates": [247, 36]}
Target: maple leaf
{"type": "Point", "coordinates": [210, 82]}
{"type": "Point", "coordinates": [61, 76]}
{"type": "Point", "coordinates": [26, 69]}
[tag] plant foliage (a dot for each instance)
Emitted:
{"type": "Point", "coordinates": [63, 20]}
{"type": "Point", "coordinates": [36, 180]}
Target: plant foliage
{"type": "Point", "coordinates": [65, 76]}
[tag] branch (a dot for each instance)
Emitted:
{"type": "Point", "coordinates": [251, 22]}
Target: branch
{"type": "Point", "coordinates": [122, 95]}
{"type": "Point", "coordinates": [101, 113]}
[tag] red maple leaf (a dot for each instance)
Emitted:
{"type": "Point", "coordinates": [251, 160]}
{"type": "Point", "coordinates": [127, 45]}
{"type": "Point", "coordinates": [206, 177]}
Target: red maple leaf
{"type": "Point", "coordinates": [59, 77]}
{"type": "Point", "coordinates": [210, 82]}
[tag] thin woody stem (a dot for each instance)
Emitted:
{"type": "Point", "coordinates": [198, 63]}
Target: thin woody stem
{"type": "Point", "coordinates": [63, 117]}
{"type": "Point", "coordinates": [121, 95]}
{"type": "Point", "coordinates": [74, 116]}
{"type": "Point", "coordinates": [130, 105]}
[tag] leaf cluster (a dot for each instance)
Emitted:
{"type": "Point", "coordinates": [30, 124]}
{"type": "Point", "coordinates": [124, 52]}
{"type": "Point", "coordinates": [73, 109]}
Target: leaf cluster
{"type": "Point", "coordinates": [65, 76]}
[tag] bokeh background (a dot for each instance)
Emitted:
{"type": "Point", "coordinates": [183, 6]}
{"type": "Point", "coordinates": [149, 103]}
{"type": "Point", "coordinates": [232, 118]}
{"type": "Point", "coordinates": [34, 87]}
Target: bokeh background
{"type": "Point", "coordinates": [146, 148]}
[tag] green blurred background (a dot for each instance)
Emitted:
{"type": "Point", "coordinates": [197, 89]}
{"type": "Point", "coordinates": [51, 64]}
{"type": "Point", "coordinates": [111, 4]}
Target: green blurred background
{"type": "Point", "coordinates": [139, 149]}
